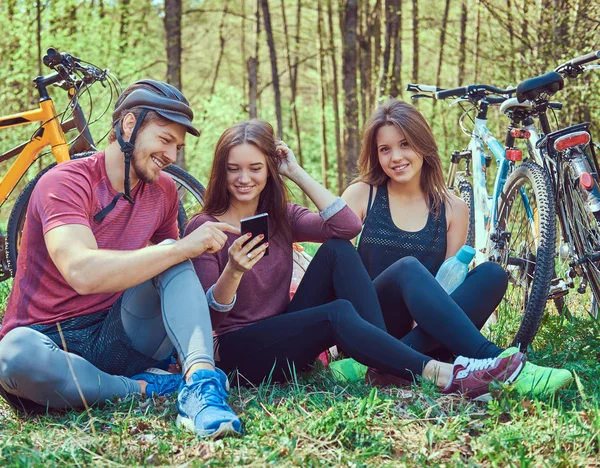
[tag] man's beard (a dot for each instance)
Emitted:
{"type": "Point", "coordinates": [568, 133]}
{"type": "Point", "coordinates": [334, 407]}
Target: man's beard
{"type": "Point", "coordinates": [141, 170]}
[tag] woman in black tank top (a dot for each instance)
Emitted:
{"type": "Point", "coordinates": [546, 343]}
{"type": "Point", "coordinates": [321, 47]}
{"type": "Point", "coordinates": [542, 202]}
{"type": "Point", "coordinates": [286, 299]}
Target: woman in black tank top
{"type": "Point", "coordinates": [408, 213]}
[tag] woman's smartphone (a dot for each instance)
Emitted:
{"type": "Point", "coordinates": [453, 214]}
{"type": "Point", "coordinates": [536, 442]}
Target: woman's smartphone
{"type": "Point", "coordinates": [258, 224]}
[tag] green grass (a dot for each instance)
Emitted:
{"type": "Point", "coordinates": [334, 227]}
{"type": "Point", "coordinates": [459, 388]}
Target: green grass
{"type": "Point", "coordinates": [317, 421]}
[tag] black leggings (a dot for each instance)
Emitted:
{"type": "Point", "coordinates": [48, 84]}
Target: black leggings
{"type": "Point", "coordinates": [478, 296]}
{"type": "Point", "coordinates": [336, 304]}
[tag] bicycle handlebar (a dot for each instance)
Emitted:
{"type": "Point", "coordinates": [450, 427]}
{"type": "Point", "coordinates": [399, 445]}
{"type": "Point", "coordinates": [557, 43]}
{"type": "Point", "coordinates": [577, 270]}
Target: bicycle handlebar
{"type": "Point", "coordinates": [422, 88]}
{"type": "Point", "coordinates": [579, 61]}
{"type": "Point", "coordinates": [63, 62]}
{"type": "Point", "coordinates": [472, 90]}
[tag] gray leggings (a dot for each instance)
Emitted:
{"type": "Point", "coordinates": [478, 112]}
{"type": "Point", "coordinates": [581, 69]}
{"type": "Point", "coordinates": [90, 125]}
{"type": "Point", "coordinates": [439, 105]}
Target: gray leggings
{"type": "Point", "coordinates": [170, 311]}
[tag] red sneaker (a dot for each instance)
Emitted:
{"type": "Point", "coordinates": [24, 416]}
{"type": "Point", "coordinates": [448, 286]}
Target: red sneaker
{"type": "Point", "coordinates": [378, 378]}
{"type": "Point", "coordinates": [472, 377]}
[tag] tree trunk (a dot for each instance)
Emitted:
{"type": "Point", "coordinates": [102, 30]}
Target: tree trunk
{"type": "Point", "coordinates": [444, 25]}
{"type": "Point", "coordinates": [274, 74]}
{"type": "Point", "coordinates": [124, 25]}
{"type": "Point", "coordinates": [322, 96]}
{"type": "Point", "coordinates": [366, 44]}
{"type": "Point", "coordinates": [524, 31]}
{"type": "Point", "coordinates": [38, 35]}
{"type": "Point", "coordinates": [297, 42]}
{"type": "Point", "coordinates": [362, 68]}
{"type": "Point", "coordinates": [349, 80]}
{"type": "Point", "coordinates": [288, 62]}
{"type": "Point", "coordinates": [395, 77]}
{"type": "Point", "coordinates": [72, 21]}
{"type": "Point", "coordinates": [387, 48]}
{"type": "Point", "coordinates": [462, 48]}
{"type": "Point", "coordinates": [290, 69]}
{"type": "Point", "coordinates": [376, 55]}
{"type": "Point", "coordinates": [252, 65]}
{"type": "Point", "coordinates": [545, 31]}
{"type": "Point", "coordinates": [415, 20]}
{"type": "Point", "coordinates": [336, 102]}
{"type": "Point", "coordinates": [511, 39]}
{"type": "Point", "coordinates": [561, 16]}
{"type": "Point", "coordinates": [243, 44]}
{"type": "Point", "coordinates": [173, 33]}
{"type": "Point", "coordinates": [477, 39]}
{"type": "Point", "coordinates": [221, 49]}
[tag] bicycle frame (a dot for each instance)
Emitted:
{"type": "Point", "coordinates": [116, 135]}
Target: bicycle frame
{"type": "Point", "coordinates": [486, 206]}
{"type": "Point", "coordinates": [50, 133]}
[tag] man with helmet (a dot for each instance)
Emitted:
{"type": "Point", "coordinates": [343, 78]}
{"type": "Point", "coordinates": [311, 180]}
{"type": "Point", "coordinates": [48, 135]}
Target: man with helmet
{"type": "Point", "coordinates": [103, 290]}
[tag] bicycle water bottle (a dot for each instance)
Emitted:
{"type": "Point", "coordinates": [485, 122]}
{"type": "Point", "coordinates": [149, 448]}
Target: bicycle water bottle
{"type": "Point", "coordinates": [455, 269]}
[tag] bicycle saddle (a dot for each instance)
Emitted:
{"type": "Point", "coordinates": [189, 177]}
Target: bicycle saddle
{"type": "Point", "coordinates": [532, 88]}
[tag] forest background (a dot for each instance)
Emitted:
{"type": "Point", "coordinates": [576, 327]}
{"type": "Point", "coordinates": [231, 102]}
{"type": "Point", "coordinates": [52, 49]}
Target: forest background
{"type": "Point", "coordinates": [315, 69]}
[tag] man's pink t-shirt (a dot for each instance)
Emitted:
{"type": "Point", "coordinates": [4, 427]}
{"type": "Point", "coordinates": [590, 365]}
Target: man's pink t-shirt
{"type": "Point", "coordinates": [72, 193]}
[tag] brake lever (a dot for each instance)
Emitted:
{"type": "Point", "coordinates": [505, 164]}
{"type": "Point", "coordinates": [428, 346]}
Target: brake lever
{"type": "Point", "coordinates": [419, 96]}
{"type": "Point", "coordinates": [459, 99]}
{"type": "Point", "coordinates": [591, 67]}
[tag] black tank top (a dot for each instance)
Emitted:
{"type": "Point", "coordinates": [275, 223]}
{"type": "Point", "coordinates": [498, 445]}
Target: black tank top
{"type": "Point", "coordinates": [382, 243]}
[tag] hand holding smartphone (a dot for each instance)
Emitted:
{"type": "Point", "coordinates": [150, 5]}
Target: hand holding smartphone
{"type": "Point", "coordinates": [258, 224]}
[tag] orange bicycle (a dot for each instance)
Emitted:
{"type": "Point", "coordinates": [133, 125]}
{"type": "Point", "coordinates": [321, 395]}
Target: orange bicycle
{"type": "Point", "coordinates": [75, 76]}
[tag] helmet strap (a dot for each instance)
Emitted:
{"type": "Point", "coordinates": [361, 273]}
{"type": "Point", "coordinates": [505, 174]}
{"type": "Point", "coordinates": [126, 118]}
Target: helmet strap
{"type": "Point", "coordinates": [127, 148]}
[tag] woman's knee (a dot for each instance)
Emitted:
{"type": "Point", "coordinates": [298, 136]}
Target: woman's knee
{"type": "Point", "coordinates": [336, 246]}
{"type": "Point", "coordinates": [341, 309]}
{"type": "Point", "coordinates": [401, 269]}
{"type": "Point", "coordinates": [493, 274]}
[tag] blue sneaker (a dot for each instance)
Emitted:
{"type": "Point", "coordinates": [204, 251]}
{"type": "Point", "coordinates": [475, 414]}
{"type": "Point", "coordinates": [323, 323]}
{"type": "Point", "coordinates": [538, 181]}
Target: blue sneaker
{"type": "Point", "coordinates": [203, 408]}
{"type": "Point", "coordinates": [160, 382]}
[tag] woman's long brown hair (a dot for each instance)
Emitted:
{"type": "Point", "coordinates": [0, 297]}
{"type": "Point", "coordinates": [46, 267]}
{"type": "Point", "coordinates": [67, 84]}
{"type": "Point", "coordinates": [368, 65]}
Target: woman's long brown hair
{"type": "Point", "coordinates": [419, 136]}
{"type": "Point", "coordinates": [273, 199]}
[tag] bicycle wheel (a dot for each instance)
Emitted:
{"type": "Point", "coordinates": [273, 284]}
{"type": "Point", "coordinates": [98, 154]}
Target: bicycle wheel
{"type": "Point", "coordinates": [527, 218]}
{"type": "Point", "coordinates": [464, 190]}
{"type": "Point", "coordinates": [585, 232]}
{"type": "Point", "coordinates": [190, 193]}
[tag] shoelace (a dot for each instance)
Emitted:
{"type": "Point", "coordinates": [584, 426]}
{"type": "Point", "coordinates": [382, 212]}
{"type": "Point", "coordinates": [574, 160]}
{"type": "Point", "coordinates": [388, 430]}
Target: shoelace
{"type": "Point", "coordinates": [480, 364]}
{"type": "Point", "coordinates": [209, 391]}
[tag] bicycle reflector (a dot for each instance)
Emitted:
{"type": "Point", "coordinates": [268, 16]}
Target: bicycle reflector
{"type": "Point", "coordinates": [516, 133]}
{"type": "Point", "coordinates": [587, 181]}
{"type": "Point", "coordinates": [514, 154]}
{"type": "Point", "coordinates": [570, 140]}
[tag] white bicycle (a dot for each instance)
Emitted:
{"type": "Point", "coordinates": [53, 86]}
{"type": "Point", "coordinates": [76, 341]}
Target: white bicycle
{"type": "Point", "coordinates": [515, 225]}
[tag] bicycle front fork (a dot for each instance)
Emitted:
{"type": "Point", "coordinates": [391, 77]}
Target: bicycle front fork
{"type": "Point", "coordinates": [457, 156]}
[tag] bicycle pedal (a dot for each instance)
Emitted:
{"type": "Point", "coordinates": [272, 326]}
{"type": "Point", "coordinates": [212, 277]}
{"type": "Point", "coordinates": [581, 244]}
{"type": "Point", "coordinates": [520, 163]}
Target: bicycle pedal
{"type": "Point", "coordinates": [558, 289]}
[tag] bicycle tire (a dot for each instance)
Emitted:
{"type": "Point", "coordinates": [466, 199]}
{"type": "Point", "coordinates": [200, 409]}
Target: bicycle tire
{"type": "Point", "coordinates": [464, 190]}
{"type": "Point", "coordinates": [528, 271]}
{"type": "Point", "coordinates": [585, 231]}
{"type": "Point", "coordinates": [186, 184]}
{"type": "Point", "coordinates": [184, 181]}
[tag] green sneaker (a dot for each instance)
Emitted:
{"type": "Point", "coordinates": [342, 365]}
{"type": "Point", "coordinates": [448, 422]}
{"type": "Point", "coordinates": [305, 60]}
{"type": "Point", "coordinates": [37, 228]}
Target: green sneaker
{"type": "Point", "coordinates": [537, 380]}
{"type": "Point", "coordinates": [348, 370]}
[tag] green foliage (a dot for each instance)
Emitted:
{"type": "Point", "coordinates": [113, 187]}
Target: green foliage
{"type": "Point", "coordinates": [313, 420]}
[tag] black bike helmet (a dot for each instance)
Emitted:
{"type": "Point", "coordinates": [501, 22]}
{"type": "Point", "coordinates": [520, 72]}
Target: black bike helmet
{"type": "Point", "coordinates": [164, 99]}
